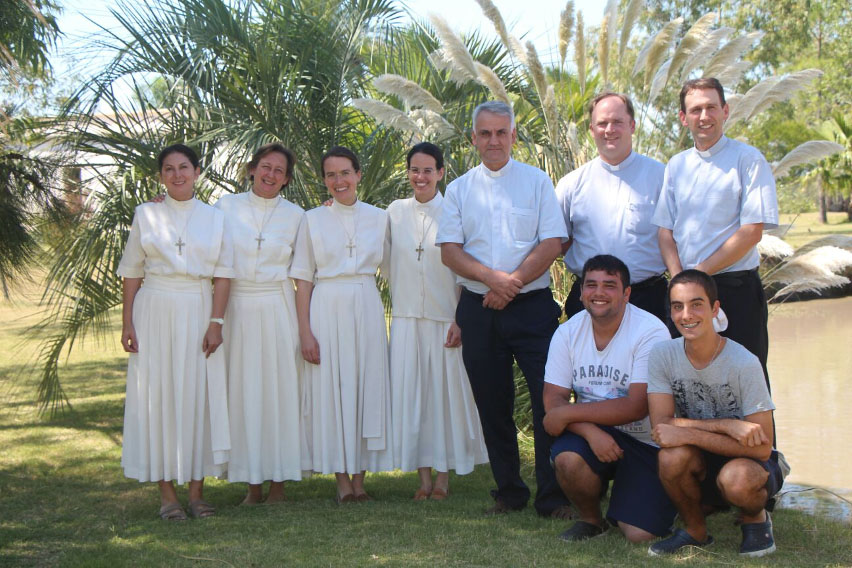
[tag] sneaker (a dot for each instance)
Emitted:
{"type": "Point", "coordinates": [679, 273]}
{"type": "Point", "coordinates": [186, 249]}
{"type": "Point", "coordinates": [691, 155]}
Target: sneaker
{"type": "Point", "coordinates": [680, 539]}
{"type": "Point", "coordinates": [581, 530]}
{"type": "Point", "coordinates": [757, 538]}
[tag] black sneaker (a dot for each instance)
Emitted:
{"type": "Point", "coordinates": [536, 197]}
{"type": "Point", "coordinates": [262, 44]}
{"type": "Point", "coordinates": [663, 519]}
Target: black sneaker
{"type": "Point", "coordinates": [680, 539]}
{"type": "Point", "coordinates": [757, 538]}
{"type": "Point", "coordinates": [581, 530]}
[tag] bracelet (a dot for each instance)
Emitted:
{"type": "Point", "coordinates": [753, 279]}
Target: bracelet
{"type": "Point", "coordinates": [220, 321]}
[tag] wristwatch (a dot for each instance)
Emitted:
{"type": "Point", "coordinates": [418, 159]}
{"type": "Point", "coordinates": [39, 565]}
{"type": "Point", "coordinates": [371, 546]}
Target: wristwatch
{"type": "Point", "coordinates": [220, 321]}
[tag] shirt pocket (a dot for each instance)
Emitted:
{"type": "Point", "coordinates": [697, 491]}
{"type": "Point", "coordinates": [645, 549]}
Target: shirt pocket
{"type": "Point", "coordinates": [524, 224]}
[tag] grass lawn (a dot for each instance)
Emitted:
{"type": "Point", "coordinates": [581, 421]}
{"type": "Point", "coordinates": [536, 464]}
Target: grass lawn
{"type": "Point", "coordinates": [64, 500]}
{"type": "Point", "coordinates": [806, 227]}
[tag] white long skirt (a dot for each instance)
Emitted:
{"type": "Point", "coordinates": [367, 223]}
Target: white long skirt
{"type": "Point", "coordinates": [435, 422]}
{"type": "Point", "coordinates": [262, 350]}
{"type": "Point", "coordinates": [349, 391]}
{"type": "Point", "coordinates": [175, 413]}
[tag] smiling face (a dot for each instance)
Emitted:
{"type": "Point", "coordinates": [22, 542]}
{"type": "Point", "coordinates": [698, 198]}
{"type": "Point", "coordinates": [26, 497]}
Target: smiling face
{"type": "Point", "coordinates": [341, 179]}
{"type": "Point", "coordinates": [493, 137]}
{"type": "Point", "coordinates": [269, 175]}
{"type": "Point", "coordinates": [612, 129]}
{"type": "Point", "coordinates": [691, 310]}
{"type": "Point", "coordinates": [179, 175]}
{"type": "Point", "coordinates": [705, 116]}
{"type": "Point", "coordinates": [423, 175]}
{"type": "Point", "coordinates": [604, 296]}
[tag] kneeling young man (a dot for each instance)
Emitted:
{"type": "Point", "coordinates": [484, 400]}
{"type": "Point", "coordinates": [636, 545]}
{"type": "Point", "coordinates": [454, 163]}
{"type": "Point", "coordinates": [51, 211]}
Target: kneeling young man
{"type": "Point", "coordinates": [712, 417]}
{"type": "Point", "coordinates": [600, 356]}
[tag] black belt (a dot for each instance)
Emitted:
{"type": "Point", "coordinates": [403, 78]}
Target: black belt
{"type": "Point", "coordinates": [736, 274]}
{"type": "Point", "coordinates": [519, 296]}
{"type": "Point", "coordinates": [648, 282]}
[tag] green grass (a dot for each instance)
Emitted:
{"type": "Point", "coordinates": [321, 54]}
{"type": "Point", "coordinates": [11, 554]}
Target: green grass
{"type": "Point", "coordinates": [64, 501]}
{"type": "Point", "coordinates": [807, 228]}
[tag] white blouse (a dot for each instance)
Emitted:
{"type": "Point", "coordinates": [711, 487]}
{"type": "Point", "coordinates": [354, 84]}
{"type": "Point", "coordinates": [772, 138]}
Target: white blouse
{"type": "Point", "coordinates": [421, 286]}
{"type": "Point", "coordinates": [263, 233]}
{"type": "Point", "coordinates": [177, 238]}
{"type": "Point", "coordinates": [341, 240]}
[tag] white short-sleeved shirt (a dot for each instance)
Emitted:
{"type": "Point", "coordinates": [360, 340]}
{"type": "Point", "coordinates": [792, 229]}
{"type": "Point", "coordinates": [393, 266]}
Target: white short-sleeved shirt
{"type": "Point", "coordinates": [500, 217]}
{"type": "Point", "coordinates": [322, 245]}
{"type": "Point", "coordinates": [246, 216]}
{"type": "Point", "coordinates": [708, 195]}
{"type": "Point", "coordinates": [608, 210]}
{"type": "Point", "coordinates": [574, 362]}
{"type": "Point", "coordinates": [421, 286]}
{"type": "Point", "coordinates": [152, 249]}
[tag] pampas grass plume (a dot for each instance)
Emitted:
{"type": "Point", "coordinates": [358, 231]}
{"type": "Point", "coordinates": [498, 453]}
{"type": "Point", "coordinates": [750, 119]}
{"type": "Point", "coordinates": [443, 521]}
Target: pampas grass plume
{"type": "Point", "coordinates": [489, 78]}
{"type": "Point", "coordinates": [454, 50]}
{"type": "Point", "coordinates": [536, 70]}
{"type": "Point", "coordinates": [566, 28]}
{"type": "Point", "coordinates": [603, 50]}
{"type": "Point", "coordinates": [580, 52]}
{"type": "Point", "coordinates": [387, 115]}
{"type": "Point", "coordinates": [409, 91]}
{"type": "Point", "coordinates": [807, 152]}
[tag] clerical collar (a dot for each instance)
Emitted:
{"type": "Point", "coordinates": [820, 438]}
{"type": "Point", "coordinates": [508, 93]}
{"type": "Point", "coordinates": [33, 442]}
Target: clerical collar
{"type": "Point", "coordinates": [174, 203]}
{"type": "Point", "coordinates": [434, 202]}
{"type": "Point", "coordinates": [344, 209]}
{"type": "Point", "coordinates": [623, 164]}
{"type": "Point", "coordinates": [714, 149]}
{"type": "Point", "coordinates": [259, 201]}
{"type": "Point", "coordinates": [499, 173]}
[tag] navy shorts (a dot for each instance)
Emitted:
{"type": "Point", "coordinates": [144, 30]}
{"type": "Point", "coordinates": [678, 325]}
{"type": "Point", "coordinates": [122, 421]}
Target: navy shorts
{"type": "Point", "coordinates": [714, 463]}
{"type": "Point", "coordinates": [637, 497]}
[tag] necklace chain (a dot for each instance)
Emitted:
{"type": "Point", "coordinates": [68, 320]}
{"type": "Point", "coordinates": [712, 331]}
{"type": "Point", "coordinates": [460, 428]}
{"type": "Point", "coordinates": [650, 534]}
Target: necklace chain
{"type": "Point", "coordinates": [424, 228]}
{"type": "Point", "coordinates": [350, 237]}
{"type": "Point", "coordinates": [715, 353]}
{"type": "Point", "coordinates": [179, 242]}
{"type": "Point", "coordinates": [267, 217]}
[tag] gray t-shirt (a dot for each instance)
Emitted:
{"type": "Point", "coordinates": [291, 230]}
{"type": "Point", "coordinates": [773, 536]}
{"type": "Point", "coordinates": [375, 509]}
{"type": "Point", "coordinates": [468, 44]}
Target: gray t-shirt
{"type": "Point", "coordinates": [732, 386]}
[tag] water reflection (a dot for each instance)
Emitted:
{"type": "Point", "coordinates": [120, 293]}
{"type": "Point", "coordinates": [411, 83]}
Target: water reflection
{"type": "Point", "coordinates": [810, 359]}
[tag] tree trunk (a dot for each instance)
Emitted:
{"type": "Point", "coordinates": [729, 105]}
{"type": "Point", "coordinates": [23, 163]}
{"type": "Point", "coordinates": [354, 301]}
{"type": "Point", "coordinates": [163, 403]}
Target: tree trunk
{"type": "Point", "coordinates": [823, 216]}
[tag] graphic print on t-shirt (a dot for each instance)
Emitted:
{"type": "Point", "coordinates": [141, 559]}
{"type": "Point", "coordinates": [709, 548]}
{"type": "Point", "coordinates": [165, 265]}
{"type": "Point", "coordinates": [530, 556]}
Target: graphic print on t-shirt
{"type": "Point", "coordinates": [701, 401]}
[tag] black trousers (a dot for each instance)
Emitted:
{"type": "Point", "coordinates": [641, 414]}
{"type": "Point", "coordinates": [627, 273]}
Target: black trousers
{"type": "Point", "coordinates": [650, 295]}
{"type": "Point", "coordinates": [491, 339]}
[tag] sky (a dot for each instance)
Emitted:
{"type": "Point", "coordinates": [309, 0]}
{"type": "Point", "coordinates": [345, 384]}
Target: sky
{"type": "Point", "coordinates": [535, 20]}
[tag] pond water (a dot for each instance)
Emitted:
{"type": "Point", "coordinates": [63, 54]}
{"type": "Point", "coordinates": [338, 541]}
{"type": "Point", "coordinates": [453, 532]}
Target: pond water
{"type": "Point", "coordinates": [810, 364]}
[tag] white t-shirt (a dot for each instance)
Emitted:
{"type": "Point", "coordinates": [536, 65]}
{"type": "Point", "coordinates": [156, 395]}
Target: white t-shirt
{"type": "Point", "coordinates": [500, 217]}
{"type": "Point", "coordinates": [708, 195]}
{"type": "Point", "coordinates": [575, 363]}
{"type": "Point", "coordinates": [608, 210]}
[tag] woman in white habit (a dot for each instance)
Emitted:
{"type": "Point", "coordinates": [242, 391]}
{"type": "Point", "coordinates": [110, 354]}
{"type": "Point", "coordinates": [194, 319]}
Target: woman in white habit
{"type": "Point", "coordinates": [342, 331]}
{"type": "Point", "coordinates": [176, 417]}
{"type": "Point", "coordinates": [261, 329]}
{"type": "Point", "coordinates": [435, 422]}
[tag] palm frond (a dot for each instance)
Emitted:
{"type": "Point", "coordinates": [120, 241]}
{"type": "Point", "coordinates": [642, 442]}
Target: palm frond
{"type": "Point", "coordinates": [409, 92]}
{"type": "Point", "coordinates": [566, 28]}
{"type": "Point", "coordinates": [691, 41]}
{"type": "Point", "coordinates": [807, 152]}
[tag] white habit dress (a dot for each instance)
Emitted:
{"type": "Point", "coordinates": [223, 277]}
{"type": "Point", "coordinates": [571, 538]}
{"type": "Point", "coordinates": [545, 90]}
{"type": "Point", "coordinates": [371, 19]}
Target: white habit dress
{"type": "Point", "coordinates": [176, 414]}
{"type": "Point", "coordinates": [348, 421]}
{"type": "Point", "coordinates": [435, 421]}
{"type": "Point", "coordinates": [261, 340]}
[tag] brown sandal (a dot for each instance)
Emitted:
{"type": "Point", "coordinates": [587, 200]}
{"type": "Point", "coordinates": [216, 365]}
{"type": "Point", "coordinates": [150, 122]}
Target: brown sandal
{"type": "Point", "coordinates": [172, 512]}
{"type": "Point", "coordinates": [201, 509]}
{"type": "Point", "coordinates": [439, 494]}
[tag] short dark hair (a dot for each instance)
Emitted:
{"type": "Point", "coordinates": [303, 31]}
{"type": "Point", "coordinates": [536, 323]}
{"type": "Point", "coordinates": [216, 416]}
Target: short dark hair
{"type": "Point", "coordinates": [340, 152]}
{"type": "Point", "coordinates": [703, 83]}
{"type": "Point", "coordinates": [430, 150]}
{"type": "Point", "coordinates": [692, 276]}
{"type": "Point", "coordinates": [608, 264]}
{"type": "Point", "coordinates": [267, 149]}
{"type": "Point", "coordinates": [606, 94]}
{"type": "Point", "coordinates": [177, 149]}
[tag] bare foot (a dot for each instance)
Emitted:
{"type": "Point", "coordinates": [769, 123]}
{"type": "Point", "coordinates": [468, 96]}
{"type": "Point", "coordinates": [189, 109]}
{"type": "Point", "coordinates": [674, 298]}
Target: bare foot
{"type": "Point", "coordinates": [251, 499]}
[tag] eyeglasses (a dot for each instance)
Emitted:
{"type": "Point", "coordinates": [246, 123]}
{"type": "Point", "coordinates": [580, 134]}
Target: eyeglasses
{"type": "Point", "coordinates": [424, 171]}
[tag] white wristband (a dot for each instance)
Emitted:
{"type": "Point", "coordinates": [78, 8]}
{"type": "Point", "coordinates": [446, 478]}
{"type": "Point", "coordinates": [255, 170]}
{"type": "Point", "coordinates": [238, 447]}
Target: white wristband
{"type": "Point", "coordinates": [220, 321]}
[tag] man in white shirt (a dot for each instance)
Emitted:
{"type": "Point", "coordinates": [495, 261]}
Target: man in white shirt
{"type": "Point", "coordinates": [608, 204]}
{"type": "Point", "coordinates": [600, 359]}
{"type": "Point", "coordinates": [500, 230]}
{"type": "Point", "coordinates": [717, 199]}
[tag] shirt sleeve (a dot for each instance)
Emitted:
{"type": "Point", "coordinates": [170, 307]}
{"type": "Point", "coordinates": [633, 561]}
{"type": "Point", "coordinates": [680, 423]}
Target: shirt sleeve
{"type": "Point", "coordinates": [303, 266]}
{"type": "Point", "coordinates": [551, 223]}
{"type": "Point", "coordinates": [559, 369]}
{"type": "Point", "coordinates": [225, 263]}
{"type": "Point", "coordinates": [384, 268]}
{"type": "Point", "coordinates": [759, 196]}
{"type": "Point", "coordinates": [132, 263]}
{"type": "Point", "coordinates": [450, 229]}
{"type": "Point", "coordinates": [755, 395]}
{"type": "Point", "coordinates": [659, 381]}
{"type": "Point", "coordinates": [563, 198]}
{"type": "Point", "coordinates": [664, 214]}
{"type": "Point", "coordinates": [643, 352]}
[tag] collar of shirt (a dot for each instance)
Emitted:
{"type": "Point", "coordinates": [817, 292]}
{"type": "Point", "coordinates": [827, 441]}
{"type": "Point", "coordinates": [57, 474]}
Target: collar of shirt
{"type": "Point", "coordinates": [344, 209]}
{"type": "Point", "coordinates": [179, 205]}
{"type": "Point", "coordinates": [498, 173]}
{"type": "Point", "coordinates": [431, 205]}
{"type": "Point", "coordinates": [262, 202]}
{"type": "Point", "coordinates": [714, 149]}
{"type": "Point", "coordinates": [623, 164]}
